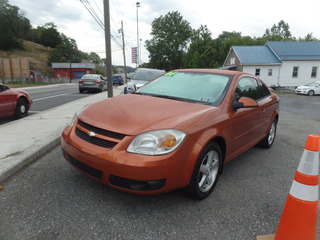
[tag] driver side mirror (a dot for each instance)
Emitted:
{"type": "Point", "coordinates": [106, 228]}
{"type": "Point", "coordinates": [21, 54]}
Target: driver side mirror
{"type": "Point", "coordinates": [244, 102]}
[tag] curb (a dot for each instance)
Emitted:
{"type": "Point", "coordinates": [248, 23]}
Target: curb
{"type": "Point", "coordinates": [30, 158]}
{"type": "Point", "coordinates": [14, 159]}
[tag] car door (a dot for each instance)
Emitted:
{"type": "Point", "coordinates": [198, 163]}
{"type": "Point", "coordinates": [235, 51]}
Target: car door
{"type": "Point", "coordinates": [246, 124]}
{"type": "Point", "coordinates": [317, 89]}
{"type": "Point", "coordinates": [6, 101]}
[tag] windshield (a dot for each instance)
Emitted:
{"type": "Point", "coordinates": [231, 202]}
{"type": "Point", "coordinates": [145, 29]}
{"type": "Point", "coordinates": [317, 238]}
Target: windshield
{"type": "Point", "coordinates": [146, 75]}
{"type": "Point", "coordinates": [312, 84]}
{"type": "Point", "coordinates": [87, 77]}
{"type": "Point", "coordinates": [204, 88]}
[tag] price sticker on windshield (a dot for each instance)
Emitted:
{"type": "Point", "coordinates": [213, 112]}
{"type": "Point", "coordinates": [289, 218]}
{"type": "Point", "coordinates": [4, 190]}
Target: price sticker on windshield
{"type": "Point", "coordinates": [170, 74]}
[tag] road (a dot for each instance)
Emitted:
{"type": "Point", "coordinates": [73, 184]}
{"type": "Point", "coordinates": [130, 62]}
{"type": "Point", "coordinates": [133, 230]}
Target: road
{"type": "Point", "coordinates": [51, 200]}
{"type": "Point", "coordinates": [50, 96]}
{"type": "Point", "coordinates": [301, 105]}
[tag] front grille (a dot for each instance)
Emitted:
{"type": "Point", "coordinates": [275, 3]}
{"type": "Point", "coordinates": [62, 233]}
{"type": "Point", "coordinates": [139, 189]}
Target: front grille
{"type": "Point", "coordinates": [137, 185]}
{"type": "Point", "coordinates": [85, 168]}
{"type": "Point", "coordinates": [101, 131]}
{"type": "Point", "coordinates": [94, 140]}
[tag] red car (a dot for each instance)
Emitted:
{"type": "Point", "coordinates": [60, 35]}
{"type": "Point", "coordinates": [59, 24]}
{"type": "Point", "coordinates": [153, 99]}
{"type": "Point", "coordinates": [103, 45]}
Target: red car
{"type": "Point", "coordinates": [177, 131]}
{"type": "Point", "coordinates": [14, 102]}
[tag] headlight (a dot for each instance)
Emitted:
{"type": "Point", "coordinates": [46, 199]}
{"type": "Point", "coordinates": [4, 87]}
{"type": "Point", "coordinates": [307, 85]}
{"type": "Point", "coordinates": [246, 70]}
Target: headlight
{"type": "Point", "coordinates": [73, 119]}
{"type": "Point", "coordinates": [130, 87]}
{"type": "Point", "coordinates": [157, 142]}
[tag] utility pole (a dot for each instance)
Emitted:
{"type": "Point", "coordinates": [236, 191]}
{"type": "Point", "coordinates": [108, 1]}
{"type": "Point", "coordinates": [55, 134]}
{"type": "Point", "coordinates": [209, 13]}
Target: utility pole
{"type": "Point", "coordinates": [137, 51]}
{"type": "Point", "coordinates": [70, 61]}
{"type": "Point", "coordinates": [108, 47]}
{"type": "Point", "coordinates": [124, 53]}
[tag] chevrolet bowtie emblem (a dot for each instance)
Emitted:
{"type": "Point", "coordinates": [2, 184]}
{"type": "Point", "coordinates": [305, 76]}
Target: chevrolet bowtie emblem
{"type": "Point", "coordinates": [91, 134]}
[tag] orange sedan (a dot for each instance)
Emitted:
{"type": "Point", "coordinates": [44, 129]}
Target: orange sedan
{"type": "Point", "coordinates": [175, 132]}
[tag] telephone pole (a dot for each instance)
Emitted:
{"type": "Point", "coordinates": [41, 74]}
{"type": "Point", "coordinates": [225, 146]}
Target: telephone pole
{"type": "Point", "coordinates": [108, 47]}
{"type": "Point", "coordinates": [124, 53]}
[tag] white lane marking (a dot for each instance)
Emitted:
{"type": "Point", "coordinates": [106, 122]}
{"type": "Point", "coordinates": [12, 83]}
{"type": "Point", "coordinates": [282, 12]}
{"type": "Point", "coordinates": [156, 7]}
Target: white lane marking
{"type": "Point", "coordinates": [39, 99]}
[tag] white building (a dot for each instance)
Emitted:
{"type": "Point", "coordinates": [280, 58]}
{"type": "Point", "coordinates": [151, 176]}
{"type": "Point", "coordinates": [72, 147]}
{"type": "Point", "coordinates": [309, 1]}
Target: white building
{"type": "Point", "coordinates": [278, 63]}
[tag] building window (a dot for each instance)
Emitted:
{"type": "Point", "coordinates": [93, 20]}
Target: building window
{"type": "Point", "coordinates": [257, 71]}
{"type": "Point", "coordinates": [314, 72]}
{"type": "Point", "coordinates": [270, 72]}
{"type": "Point", "coordinates": [295, 72]}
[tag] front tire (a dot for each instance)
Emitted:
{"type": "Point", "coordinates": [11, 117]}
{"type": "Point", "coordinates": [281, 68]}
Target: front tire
{"type": "Point", "coordinates": [311, 93]}
{"type": "Point", "coordinates": [21, 109]}
{"type": "Point", "coordinates": [206, 172]}
{"type": "Point", "coordinates": [269, 139]}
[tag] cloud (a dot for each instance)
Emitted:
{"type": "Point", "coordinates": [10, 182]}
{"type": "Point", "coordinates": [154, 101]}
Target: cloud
{"type": "Point", "coordinates": [251, 18]}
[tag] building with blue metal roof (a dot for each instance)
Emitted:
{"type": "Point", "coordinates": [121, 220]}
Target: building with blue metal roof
{"type": "Point", "coordinates": [278, 63]}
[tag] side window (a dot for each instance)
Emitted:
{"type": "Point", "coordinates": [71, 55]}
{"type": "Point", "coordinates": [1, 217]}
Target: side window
{"type": "Point", "coordinates": [248, 87]}
{"type": "Point", "coordinates": [264, 91]}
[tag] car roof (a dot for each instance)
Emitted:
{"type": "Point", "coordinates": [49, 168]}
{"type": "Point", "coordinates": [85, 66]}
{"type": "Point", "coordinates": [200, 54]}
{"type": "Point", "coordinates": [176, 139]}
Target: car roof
{"type": "Point", "coordinates": [92, 75]}
{"type": "Point", "coordinates": [150, 69]}
{"type": "Point", "coordinates": [216, 71]}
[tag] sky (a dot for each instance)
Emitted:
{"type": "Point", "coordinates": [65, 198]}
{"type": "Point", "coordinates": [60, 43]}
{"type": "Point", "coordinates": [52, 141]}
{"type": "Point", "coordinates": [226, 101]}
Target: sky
{"type": "Point", "coordinates": [250, 17]}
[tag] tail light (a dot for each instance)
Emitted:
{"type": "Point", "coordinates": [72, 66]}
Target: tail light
{"type": "Point", "coordinates": [80, 81]}
{"type": "Point", "coordinates": [97, 81]}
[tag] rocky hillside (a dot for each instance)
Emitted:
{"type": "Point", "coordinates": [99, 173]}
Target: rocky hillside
{"type": "Point", "coordinates": [38, 56]}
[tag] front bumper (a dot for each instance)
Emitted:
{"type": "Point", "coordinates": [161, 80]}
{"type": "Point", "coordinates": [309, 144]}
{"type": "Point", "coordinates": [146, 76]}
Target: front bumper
{"type": "Point", "coordinates": [131, 172]}
{"type": "Point", "coordinates": [301, 91]}
{"type": "Point", "coordinates": [83, 86]}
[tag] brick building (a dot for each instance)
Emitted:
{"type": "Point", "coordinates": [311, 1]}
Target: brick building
{"type": "Point", "coordinates": [62, 70]}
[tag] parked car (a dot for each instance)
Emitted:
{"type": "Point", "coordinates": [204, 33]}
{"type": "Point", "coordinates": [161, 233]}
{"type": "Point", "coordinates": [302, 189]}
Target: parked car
{"type": "Point", "coordinates": [92, 82]}
{"type": "Point", "coordinates": [117, 79]}
{"type": "Point", "coordinates": [188, 124]}
{"type": "Point", "coordinates": [14, 102]}
{"type": "Point", "coordinates": [140, 77]}
{"type": "Point", "coordinates": [309, 89]}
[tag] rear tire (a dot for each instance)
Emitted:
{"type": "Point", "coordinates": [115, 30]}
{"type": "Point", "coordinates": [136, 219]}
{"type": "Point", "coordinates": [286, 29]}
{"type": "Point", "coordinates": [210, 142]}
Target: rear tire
{"type": "Point", "coordinates": [269, 139]}
{"type": "Point", "coordinates": [206, 172]}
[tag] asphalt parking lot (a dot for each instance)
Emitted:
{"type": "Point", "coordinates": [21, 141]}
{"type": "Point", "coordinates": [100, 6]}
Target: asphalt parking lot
{"type": "Point", "coordinates": [51, 200]}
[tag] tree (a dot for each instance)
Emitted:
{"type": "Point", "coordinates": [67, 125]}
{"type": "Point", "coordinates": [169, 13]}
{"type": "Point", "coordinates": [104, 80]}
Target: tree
{"type": "Point", "coordinates": [48, 35]}
{"type": "Point", "coordinates": [279, 32]}
{"type": "Point", "coordinates": [64, 51]}
{"type": "Point", "coordinates": [170, 36]}
{"type": "Point", "coordinates": [94, 57]}
{"type": "Point", "coordinates": [200, 54]}
{"type": "Point", "coordinates": [309, 37]}
{"type": "Point", "coordinates": [67, 50]}
{"type": "Point", "coordinates": [13, 26]}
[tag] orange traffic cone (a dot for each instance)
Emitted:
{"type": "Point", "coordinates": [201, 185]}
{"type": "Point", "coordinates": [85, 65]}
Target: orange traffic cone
{"type": "Point", "coordinates": [299, 217]}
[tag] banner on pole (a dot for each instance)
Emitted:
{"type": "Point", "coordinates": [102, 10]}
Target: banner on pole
{"type": "Point", "coordinates": [134, 54]}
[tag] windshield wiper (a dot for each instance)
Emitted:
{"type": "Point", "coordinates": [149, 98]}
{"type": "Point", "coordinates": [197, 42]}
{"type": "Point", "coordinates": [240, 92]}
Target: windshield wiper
{"type": "Point", "coordinates": [139, 93]}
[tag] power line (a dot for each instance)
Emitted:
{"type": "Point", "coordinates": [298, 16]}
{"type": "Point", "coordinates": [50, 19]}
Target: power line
{"type": "Point", "coordinates": [93, 13]}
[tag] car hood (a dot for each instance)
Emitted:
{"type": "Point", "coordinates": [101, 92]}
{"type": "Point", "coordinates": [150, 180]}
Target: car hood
{"type": "Point", "coordinates": [304, 87]}
{"type": "Point", "coordinates": [138, 83]}
{"type": "Point", "coordinates": [132, 114]}
{"type": "Point", "coordinates": [17, 92]}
